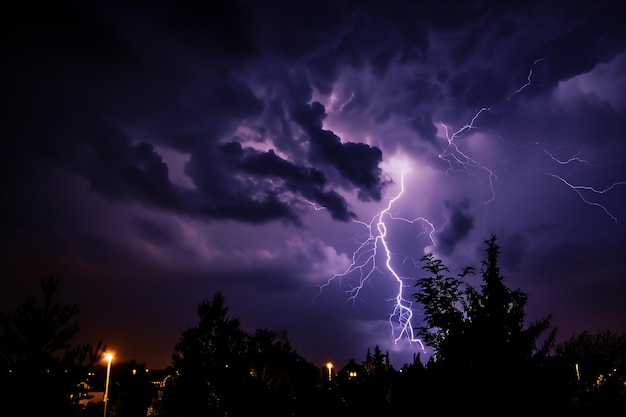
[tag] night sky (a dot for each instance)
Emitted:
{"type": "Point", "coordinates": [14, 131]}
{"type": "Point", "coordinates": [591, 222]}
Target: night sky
{"type": "Point", "coordinates": [156, 152]}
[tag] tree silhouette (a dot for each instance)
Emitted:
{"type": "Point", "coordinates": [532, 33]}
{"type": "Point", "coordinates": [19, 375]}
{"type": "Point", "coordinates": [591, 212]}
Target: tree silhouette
{"type": "Point", "coordinates": [376, 363]}
{"type": "Point", "coordinates": [368, 390]}
{"type": "Point", "coordinates": [412, 378]}
{"type": "Point", "coordinates": [483, 353]}
{"type": "Point", "coordinates": [595, 367]}
{"type": "Point", "coordinates": [206, 360]}
{"type": "Point", "coordinates": [221, 369]}
{"type": "Point", "coordinates": [39, 369]}
{"type": "Point", "coordinates": [133, 392]}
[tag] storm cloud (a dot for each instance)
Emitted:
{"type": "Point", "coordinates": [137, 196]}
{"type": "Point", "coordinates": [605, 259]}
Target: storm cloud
{"type": "Point", "coordinates": [170, 149]}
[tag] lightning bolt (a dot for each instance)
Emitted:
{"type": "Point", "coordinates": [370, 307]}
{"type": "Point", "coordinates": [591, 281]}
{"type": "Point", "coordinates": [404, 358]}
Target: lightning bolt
{"type": "Point", "coordinates": [365, 261]}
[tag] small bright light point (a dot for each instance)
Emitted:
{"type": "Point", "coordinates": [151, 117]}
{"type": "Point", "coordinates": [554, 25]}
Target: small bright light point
{"type": "Point", "coordinates": [108, 356]}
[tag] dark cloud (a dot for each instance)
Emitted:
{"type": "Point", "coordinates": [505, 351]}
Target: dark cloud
{"type": "Point", "coordinates": [223, 27]}
{"type": "Point", "coordinates": [514, 249]}
{"type": "Point", "coordinates": [424, 126]}
{"type": "Point", "coordinates": [87, 135]}
{"type": "Point", "coordinates": [358, 163]}
{"type": "Point", "coordinates": [72, 34]}
{"type": "Point", "coordinates": [253, 279]}
{"type": "Point", "coordinates": [235, 101]}
{"type": "Point", "coordinates": [149, 177]}
{"type": "Point", "coordinates": [157, 232]}
{"type": "Point", "coordinates": [226, 31]}
{"type": "Point", "coordinates": [456, 228]}
{"type": "Point", "coordinates": [597, 38]}
{"type": "Point", "coordinates": [284, 177]}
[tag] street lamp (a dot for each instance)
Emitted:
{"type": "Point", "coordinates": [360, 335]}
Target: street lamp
{"type": "Point", "coordinates": [109, 358]}
{"type": "Point", "coordinates": [329, 365]}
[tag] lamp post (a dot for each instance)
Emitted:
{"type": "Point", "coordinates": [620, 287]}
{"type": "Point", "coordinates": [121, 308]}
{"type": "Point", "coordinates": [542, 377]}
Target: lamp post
{"type": "Point", "coordinates": [329, 365]}
{"type": "Point", "coordinates": [109, 358]}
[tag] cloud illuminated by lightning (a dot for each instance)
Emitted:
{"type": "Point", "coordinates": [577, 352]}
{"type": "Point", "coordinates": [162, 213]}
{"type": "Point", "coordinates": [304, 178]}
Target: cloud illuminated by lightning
{"type": "Point", "coordinates": [461, 162]}
{"type": "Point", "coordinates": [581, 189]}
{"type": "Point", "coordinates": [458, 161]}
{"type": "Point", "coordinates": [375, 244]}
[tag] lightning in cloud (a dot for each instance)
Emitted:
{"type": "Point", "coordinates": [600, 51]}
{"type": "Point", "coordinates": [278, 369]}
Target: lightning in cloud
{"type": "Point", "coordinates": [574, 158]}
{"type": "Point", "coordinates": [583, 190]}
{"type": "Point", "coordinates": [459, 161]}
{"type": "Point", "coordinates": [580, 188]}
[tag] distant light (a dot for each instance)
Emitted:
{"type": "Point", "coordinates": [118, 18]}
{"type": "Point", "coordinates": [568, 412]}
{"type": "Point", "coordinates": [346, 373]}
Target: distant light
{"type": "Point", "coordinates": [108, 356]}
{"type": "Point", "coordinates": [329, 365]}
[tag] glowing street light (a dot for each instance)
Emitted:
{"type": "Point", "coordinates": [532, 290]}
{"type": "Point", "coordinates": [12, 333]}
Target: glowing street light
{"type": "Point", "coordinates": [109, 358]}
{"type": "Point", "coordinates": [329, 365]}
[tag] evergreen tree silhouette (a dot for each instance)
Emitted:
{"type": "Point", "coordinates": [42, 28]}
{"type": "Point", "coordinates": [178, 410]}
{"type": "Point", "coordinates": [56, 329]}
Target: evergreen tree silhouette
{"type": "Point", "coordinates": [484, 354]}
{"type": "Point", "coordinates": [39, 369]}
